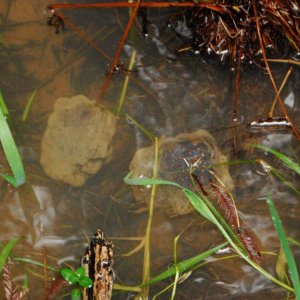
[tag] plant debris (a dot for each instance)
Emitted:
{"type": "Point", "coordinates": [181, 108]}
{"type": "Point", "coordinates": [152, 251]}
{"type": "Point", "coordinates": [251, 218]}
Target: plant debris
{"type": "Point", "coordinates": [227, 28]}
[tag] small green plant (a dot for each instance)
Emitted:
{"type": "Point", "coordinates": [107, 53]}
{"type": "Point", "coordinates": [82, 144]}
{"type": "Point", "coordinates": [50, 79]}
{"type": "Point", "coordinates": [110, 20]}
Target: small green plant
{"type": "Point", "coordinates": [76, 277]}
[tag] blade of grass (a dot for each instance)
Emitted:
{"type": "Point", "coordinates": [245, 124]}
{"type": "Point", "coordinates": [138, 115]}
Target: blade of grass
{"type": "Point", "coordinates": [29, 105]}
{"type": "Point", "coordinates": [34, 262]}
{"type": "Point", "coordinates": [185, 265]}
{"type": "Point", "coordinates": [147, 132]}
{"type": "Point", "coordinates": [176, 268]}
{"type": "Point", "coordinates": [293, 241]}
{"type": "Point", "coordinates": [289, 162]}
{"type": "Point", "coordinates": [6, 251]}
{"type": "Point", "coordinates": [11, 151]}
{"type": "Point", "coordinates": [146, 264]}
{"type": "Point", "coordinates": [126, 81]}
{"type": "Point", "coordinates": [126, 288]}
{"type": "Point", "coordinates": [292, 267]}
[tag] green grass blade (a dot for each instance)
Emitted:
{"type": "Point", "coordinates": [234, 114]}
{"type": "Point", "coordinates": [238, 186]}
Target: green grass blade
{"type": "Point", "coordinates": [34, 262]}
{"type": "Point", "coordinates": [6, 251]}
{"type": "Point", "coordinates": [292, 267]}
{"type": "Point", "coordinates": [289, 162]}
{"type": "Point", "coordinates": [147, 181]}
{"type": "Point", "coordinates": [125, 85]}
{"type": "Point", "coordinates": [11, 152]}
{"type": "Point", "coordinates": [185, 265]}
{"type": "Point", "coordinates": [200, 206]}
{"type": "Point", "coordinates": [29, 105]}
{"type": "Point", "coordinates": [147, 132]}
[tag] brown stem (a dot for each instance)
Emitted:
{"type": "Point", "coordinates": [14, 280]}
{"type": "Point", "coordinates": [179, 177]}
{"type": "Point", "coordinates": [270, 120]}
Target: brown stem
{"type": "Point", "coordinates": [235, 102]}
{"type": "Point", "coordinates": [214, 7]}
{"type": "Point", "coordinates": [82, 34]}
{"type": "Point", "coordinates": [120, 47]}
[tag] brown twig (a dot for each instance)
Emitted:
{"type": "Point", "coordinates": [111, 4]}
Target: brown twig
{"type": "Point", "coordinates": [82, 34]}
{"type": "Point", "coordinates": [235, 103]}
{"type": "Point", "coordinates": [120, 47]}
{"type": "Point", "coordinates": [211, 6]}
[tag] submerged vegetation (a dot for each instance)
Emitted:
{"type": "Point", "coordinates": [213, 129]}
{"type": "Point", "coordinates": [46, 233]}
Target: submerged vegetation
{"type": "Point", "coordinates": [239, 245]}
{"type": "Point", "coordinates": [245, 32]}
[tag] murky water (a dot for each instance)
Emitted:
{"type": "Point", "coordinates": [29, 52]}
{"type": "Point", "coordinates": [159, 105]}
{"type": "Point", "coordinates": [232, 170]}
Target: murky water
{"type": "Point", "coordinates": [170, 94]}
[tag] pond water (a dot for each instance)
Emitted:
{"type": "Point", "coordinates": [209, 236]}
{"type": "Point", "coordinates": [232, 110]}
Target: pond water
{"type": "Point", "coordinates": [168, 94]}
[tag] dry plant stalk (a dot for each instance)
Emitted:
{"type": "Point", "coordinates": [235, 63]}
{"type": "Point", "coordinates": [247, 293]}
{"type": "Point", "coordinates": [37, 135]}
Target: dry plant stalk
{"type": "Point", "coordinates": [11, 292]}
{"type": "Point", "coordinates": [57, 285]}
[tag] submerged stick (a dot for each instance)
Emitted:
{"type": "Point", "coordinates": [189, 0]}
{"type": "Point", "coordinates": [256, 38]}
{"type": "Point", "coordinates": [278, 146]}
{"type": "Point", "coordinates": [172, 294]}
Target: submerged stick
{"type": "Point", "coordinates": [215, 7]}
{"type": "Point", "coordinates": [80, 33]}
{"type": "Point", "coordinates": [120, 47]}
{"type": "Point", "coordinates": [235, 104]}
